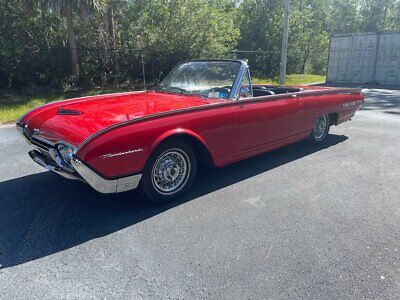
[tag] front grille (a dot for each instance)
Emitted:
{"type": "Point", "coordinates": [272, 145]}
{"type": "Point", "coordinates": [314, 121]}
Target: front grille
{"type": "Point", "coordinates": [32, 139]}
{"type": "Point", "coordinates": [40, 143]}
{"type": "Point", "coordinates": [47, 157]}
{"type": "Point", "coordinates": [47, 149]}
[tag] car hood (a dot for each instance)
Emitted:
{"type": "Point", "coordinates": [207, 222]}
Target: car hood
{"type": "Point", "coordinates": [76, 119]}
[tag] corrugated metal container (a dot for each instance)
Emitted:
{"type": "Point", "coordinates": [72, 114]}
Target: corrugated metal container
{"type": "Point", "coordinates": [364, 58]}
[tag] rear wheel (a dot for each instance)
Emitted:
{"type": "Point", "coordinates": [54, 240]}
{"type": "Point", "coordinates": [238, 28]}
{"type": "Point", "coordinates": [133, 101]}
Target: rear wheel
{"type": "Point", "coordinates": [169, 172]}
{"type": "Point", "coordinates": [320, 131]}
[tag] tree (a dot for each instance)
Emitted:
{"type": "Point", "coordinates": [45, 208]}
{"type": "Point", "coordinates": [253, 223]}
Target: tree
{"type": "Point", "coordinates": [261, 30]}
{"type": "Point", "coordinates": [66, 8]}
{"type": "Point", "coordinates": [308, 36]}
{"type": "Point", "coordinates": [39, 38]}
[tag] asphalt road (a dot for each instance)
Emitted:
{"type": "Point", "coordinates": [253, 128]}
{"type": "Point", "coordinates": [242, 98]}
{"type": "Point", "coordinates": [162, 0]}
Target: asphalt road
{"type": "Point", "coordinates": [299, 222]}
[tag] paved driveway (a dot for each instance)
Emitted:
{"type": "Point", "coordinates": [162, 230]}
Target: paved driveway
{"type": "Point", "coordinates": [300, 222]}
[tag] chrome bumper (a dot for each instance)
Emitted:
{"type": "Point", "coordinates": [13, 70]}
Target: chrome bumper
{"type": "Point", "coordinates": [103, 185]}
{"type": "Point", "coordinates": [85, 174]}
{"type": "Point", "coordinates": [40, 159]}
{"type": "Point", "coordinates": [46, 156]}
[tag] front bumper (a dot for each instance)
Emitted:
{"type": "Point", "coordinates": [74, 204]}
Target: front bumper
{"type": "Point", "coordinates": [45, 162]}
{"type": "Point", "coordinates": [45, 155]}
{"type": "Point", "coordinates": [103, 185]}
{"type": "Point", "coordinates": [85, 174]}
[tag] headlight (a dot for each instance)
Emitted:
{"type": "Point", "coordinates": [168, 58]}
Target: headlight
{"type": "Point", "coordinates": [66, 152]}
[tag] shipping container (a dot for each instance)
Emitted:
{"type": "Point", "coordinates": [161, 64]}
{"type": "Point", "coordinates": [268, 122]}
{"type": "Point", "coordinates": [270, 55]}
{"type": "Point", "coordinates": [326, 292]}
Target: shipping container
{"type": "Point", "coordinates": [364, 58]}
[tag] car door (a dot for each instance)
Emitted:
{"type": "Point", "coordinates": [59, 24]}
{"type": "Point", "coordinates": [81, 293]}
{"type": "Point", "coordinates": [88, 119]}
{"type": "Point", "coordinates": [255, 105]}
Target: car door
{"type": "Point", "coordinates": [252, 118]}
{"type": "Point", "coordinates": [266, 120]}
{"type": "Point", "coordinates": [283, 113]}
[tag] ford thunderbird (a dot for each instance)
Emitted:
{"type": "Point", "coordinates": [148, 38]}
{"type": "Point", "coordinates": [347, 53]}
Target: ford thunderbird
{"type": "Point", "coordinates": [205, 111]}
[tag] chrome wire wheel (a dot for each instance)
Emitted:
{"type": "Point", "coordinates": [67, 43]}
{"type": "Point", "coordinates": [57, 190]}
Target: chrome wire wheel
{"type": "Point", "coordinates": [321, 128]}
{"type": "Point", "coordinates": [170, 172]}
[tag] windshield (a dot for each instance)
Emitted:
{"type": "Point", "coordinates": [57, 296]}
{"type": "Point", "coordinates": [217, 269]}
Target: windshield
{"type": "Point", "coordinates": [212, 79]}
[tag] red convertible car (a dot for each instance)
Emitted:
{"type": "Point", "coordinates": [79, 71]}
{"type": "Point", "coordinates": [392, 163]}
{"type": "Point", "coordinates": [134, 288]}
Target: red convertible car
{"type": "Point", "coordinates": [203, 112]}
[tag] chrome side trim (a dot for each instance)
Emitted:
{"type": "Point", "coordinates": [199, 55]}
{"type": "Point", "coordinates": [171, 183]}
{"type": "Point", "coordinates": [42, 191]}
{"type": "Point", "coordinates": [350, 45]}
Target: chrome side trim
{"type": "Point", "coordinates": [110, 155]}
{"type": "Point", "coordinates": [103, 185]}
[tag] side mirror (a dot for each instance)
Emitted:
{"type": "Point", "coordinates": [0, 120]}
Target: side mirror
{"type": "Point", "coordinates": [245, 92]}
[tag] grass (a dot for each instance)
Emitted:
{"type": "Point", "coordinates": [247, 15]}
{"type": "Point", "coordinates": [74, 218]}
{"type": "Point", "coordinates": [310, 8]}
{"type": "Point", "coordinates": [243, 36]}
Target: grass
{"type": "Point", "coordinates": [14, 105]}
{"type": "Point", "coordinates": [293, 79]}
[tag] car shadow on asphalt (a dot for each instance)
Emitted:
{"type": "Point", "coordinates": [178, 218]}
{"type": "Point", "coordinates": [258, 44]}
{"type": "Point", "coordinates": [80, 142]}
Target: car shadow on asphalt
{"type": "Point", "coordinates": [43, 214]}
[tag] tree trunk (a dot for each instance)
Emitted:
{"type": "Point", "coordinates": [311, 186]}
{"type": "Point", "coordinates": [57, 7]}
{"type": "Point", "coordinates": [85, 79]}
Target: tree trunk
{"type": "Point", "coordinates": [111, 26]}
{"type": "Point", "coordinates": [71, 39]}
{"type": "Point", "coordinates": [305, 58]}
{"type": "Point", "coordinates": [385, 11]}
{"type": "Point", "coordinates": [112, 41]}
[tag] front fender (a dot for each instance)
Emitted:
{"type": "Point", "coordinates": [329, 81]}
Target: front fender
{"type": "Point", "coordinates": [176, 133]}
{"type": "Point", "coordinates": [124, 151]}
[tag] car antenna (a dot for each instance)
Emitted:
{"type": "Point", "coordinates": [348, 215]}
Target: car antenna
{"type": "Point", "coordinates": [144, 75]}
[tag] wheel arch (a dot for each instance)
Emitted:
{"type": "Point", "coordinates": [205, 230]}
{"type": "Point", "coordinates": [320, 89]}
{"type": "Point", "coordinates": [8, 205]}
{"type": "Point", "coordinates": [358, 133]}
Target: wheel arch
{"type": "Point", "coordinates": [197, 143]}
{"type": "Point", "coordinates": [333, 118]}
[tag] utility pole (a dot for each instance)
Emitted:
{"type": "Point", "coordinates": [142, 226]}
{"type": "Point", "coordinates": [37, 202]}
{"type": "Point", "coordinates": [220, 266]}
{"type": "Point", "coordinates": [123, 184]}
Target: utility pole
{"type": "Point", "coordinates": [144, 73]}
{"type": "Point", "coordinates": [284, 43]}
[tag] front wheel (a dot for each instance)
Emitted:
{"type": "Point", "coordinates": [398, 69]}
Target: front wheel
{"type": "Point", "coordinates": [169, 172]}
{"type": "Point", "coordinates": [320, 131]}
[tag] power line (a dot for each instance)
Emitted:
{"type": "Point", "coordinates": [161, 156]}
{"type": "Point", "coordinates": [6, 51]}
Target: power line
{"type": "Point", "coordinates": [132, 50]}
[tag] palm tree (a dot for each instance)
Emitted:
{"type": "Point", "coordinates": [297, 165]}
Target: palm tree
{"type": "Point", "coordinates": [67, 8]}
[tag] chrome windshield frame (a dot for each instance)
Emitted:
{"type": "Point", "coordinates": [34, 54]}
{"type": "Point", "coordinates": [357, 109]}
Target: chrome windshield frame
{"type": "Point", "coordinates": [236, 83]}
{"type": "Point", "coordinates": [234, 95]}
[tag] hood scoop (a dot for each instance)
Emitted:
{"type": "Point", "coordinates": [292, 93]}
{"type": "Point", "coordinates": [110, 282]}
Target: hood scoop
{"type": "Point", "coordinates": [68, 112]}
